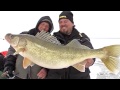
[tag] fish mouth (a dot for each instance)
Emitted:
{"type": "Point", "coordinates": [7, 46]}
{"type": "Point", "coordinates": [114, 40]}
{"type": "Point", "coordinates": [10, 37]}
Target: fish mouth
{"type": "Point", "coordinates": [8, 37]}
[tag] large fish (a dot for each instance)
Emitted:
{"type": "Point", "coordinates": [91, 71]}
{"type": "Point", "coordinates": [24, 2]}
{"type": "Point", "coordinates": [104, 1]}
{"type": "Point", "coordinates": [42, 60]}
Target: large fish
{"type": "Point", "coordinates": [46, 51]}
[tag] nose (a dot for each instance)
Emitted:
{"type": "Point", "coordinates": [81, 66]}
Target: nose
{"type": "Point", "coordinates": [43, 28]}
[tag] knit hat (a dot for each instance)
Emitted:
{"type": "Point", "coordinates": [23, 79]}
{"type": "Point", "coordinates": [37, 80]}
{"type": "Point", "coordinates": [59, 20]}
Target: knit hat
{"type": "Point", "coordinates": [66, 15]}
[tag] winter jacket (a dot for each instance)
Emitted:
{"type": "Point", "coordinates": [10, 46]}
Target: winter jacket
{"type": "Point", "coordinates": [30, 72]}
{"type": "Point", "coordinates": [71, 72]}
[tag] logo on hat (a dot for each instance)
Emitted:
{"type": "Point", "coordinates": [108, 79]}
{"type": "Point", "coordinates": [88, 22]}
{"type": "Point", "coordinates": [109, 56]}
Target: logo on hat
{"type": "Point", "coordinates": [62, 17]}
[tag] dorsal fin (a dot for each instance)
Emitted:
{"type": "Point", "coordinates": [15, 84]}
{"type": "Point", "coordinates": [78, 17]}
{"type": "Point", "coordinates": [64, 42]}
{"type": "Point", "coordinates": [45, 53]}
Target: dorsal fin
{"type": "Point", "coordinates": [43, 35]}
{"type": "Point", "coordinates": [75, 43]}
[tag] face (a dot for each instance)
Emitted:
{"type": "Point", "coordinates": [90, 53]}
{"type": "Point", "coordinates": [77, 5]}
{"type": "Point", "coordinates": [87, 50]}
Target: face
{"type": "Point", "coordinates": [43, 26]}
{"type": "Point", "coordinates": [66, 26]}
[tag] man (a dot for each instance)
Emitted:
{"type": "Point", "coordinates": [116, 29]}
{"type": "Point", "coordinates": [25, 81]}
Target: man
{"type": "Point", "coordinates": [15, 62]}
{"type": "Point", "coordinates": [67, 33]}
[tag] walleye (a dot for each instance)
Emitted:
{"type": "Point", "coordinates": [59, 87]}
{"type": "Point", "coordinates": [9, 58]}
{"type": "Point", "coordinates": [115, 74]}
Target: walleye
{"type": "Point", "coordinates": [46, 51]}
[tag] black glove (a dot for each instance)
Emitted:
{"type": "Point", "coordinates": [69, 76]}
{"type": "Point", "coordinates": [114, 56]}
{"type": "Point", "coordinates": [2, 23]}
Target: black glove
{"type": "Point", "coordinates": [9, 71]}
{"type": "Point", "coordinates": [9, 65]}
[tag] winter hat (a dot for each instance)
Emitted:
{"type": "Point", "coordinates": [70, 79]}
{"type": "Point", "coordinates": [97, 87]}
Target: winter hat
{"type": "Point", "coordinates": [66, 15]}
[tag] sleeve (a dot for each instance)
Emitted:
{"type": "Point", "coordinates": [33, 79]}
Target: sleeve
{"type": "Point", "coordinates": [10, 59]}
{"type": "Point", "coordinates": [11, 50]}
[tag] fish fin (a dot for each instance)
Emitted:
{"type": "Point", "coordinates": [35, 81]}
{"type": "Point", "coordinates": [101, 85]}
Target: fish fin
{"type": "Point", "coordinates": [19, 50]}
{"type": "Point", "coordinates": [43, 35]}
{"type": "Point", "coordinates": [111, 58]}
{"type": "Point", "coordinates": [75, 43]}
{"type": "Point", "coordinates": [80, 66]}
{"type": "Point", "coordinates": [27, 62]}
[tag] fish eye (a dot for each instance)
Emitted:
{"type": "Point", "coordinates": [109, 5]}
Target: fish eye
{"type": "Point", "coordinates": [11, 36]}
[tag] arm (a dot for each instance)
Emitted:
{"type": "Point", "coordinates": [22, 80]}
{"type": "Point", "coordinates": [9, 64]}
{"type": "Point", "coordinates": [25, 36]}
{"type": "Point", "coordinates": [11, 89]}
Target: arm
{"type": "Point", "coordinates": [10, 61]}
{"type": "Point", "coordinates": [11, 50]}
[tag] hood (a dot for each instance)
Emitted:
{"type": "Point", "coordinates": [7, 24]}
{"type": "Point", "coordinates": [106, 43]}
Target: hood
{"type": "Point", "coordinates": [46, 19]}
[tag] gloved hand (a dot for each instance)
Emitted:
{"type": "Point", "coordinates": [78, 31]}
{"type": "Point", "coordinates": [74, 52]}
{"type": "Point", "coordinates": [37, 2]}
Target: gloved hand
{"type": "Point", "coordinates": [8, 71]}
{"type": "Point", "coordinates": [9, 66]}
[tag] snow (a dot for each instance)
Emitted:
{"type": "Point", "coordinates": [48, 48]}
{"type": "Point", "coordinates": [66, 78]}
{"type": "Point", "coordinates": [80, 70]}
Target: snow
{"type": "Point", "coordinates": [98, 70]}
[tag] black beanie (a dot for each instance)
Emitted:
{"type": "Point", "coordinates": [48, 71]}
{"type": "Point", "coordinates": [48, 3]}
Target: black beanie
{"type": "Point", "coordinates": [66, 15]}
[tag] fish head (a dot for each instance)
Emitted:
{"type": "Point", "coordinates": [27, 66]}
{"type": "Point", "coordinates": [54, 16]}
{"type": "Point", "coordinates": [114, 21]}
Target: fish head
{"type": "Point", "coordinates": [16, 41]}
{"type": "Point", "coordinates": [12, 39]}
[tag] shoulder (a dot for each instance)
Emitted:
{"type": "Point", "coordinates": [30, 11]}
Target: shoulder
{"type": "Point", "coordinates": [56, 33]}
{"type": "Point", "coordinates": [24, 32]}
{"type": "Point", "coordinates": [83, 35]}
{"type": "Point", "coordinates": [31, 31]}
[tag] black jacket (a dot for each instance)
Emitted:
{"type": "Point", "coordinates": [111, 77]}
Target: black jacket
{"type": "Point", "coordinates": [71, 72]}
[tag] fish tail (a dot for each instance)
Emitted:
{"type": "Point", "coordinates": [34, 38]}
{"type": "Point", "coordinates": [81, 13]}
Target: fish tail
{"type": "Point", "coordinates": [111, 58]}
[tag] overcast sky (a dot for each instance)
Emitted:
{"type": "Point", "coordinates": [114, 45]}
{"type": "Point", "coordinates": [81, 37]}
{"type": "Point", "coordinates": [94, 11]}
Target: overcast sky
{"type": "Point", "coordinates": [96, 24]}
